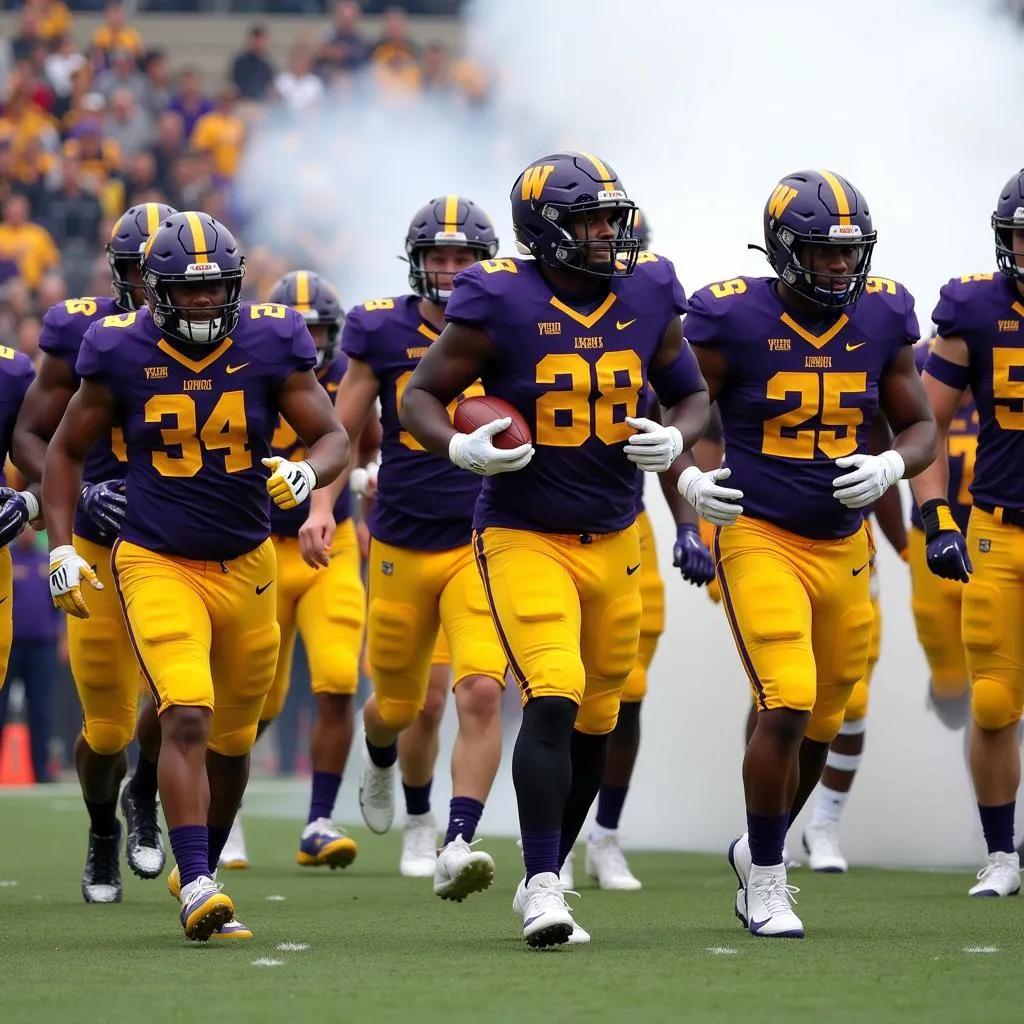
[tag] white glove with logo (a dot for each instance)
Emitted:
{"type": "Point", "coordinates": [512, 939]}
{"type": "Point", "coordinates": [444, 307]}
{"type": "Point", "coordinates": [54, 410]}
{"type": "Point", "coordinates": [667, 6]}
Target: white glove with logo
{"type": "Point", "coordinates": [67, 571]}
{"type": "Point", "coordinates": [713, 503]}
{"type": "Point", "coordinates": [655, 448]}
{"type": "Point", "coordinates": [289, 483]}
{"type": "Point", "coordinates": [477, 453]}
{"type": "Point", "coordinates": [872, 476]}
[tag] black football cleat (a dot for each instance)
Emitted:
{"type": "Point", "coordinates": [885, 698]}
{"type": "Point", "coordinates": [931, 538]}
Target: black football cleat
{"type": "Point", "coordinates": [101, 880]}
{"type": "Point", "coordinates": [144, 849]}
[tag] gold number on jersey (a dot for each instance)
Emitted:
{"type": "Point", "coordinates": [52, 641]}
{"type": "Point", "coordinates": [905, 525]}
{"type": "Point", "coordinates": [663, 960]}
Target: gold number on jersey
{"type": "Point", "coordinates": [85, 307]}
{"type": "Point", "coordinates": [880, 284]}
{"type": "Point", "coordinates": [120, 319]}
{"type": "Point", "coordinates": [644, 256]}
{"type": "Point", "coordinates": [6, 352]}
{"type": "Point", "coordinates": [117, 445]}
{"type": "Point", "coordinates": [225, 428]}
{"type": "Point", "coordinates": [373, 305]}
{"type": "Point", "coordinates": [566, 416]}
{"type": "Point", "coordinates": [407, 440]}
{"type": "Point", "coordinates": [271, 309]}
{"type": "Point", "coordinates": [821, 398]}
{"type": "Point", "coordinates": [1008, 387]}
{"type": "Point", "coordinates": [499, 266]}
{"type": "Point", "coordinates": [722, 290]}
{"type": "Point", "coordinates": [971, 278]}
{"type": "Point", "coordinates": [286, 440]}
{"type": "Point", "coordinates": [965, 448]}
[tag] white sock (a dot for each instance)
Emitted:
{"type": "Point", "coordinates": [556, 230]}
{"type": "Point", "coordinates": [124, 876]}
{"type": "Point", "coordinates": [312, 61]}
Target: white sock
{"type": "Point", "coordinates": [598, 832]}
{"type": "Point", "coordinates": [828, 808]}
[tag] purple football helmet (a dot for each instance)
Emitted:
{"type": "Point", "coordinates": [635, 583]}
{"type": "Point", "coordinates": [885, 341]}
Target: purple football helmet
{"type": "Point", "coordinates": [1009, 214]}
{"type": "Point", "coordinates": [642, 228]}
{"type": "Point", "coordinates": [818, 208]}
{"type": "Point", "coordinates": [193, 248]}
{"type": "Point", "coordinates": [447, 220]}
{"type": "Point", "coordinates": [556, 189]}
{"type": "Point", "coordinates": [127, 240]}
{"type": "Point", "coordinates": [317, 300]}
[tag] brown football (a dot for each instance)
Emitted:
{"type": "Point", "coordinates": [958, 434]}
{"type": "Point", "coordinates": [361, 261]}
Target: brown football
{"type": "Point", "coordinates": [474, 412]}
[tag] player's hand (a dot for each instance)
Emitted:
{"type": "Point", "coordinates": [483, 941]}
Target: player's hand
{"type": "Point", "coordinates": [692, 557]}
{"type": "Point", "coordinates": [315, 537]}
{"type": "Point", "coordinates": [714, 503]}
{"type": "Point", "coordinates": [289, 483]}
{"type": "Point", "coordinates": [655, 447]}
{"type": "Point", "coordinates": [67, 571]}
{"type": "Point", "coordinates": [364, 481]}
{"type": "Point", "coordinates": [476, 451]}
{"type": "Point", "coordinates": [105, 504]}
{"type": "Point", "coordinates": [945, 545]}
{"type": "Point", "coordinates": [14, 513]}
{"type": "Point", "coordinates": [872, 476]}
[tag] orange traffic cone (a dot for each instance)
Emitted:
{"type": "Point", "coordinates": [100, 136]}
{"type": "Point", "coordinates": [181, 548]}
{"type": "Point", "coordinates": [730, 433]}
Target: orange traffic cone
{"type": "Point", "coordinates": [15, 760]}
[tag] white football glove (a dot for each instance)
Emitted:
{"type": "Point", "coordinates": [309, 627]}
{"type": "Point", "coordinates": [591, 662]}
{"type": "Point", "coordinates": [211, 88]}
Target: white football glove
{"type": "Point", "coordinates": [67, 571]}
{"type": "Point", "coordinates": [713, 503]}
{"type": "Point", "coordinates": [289, 483]}
{"type": "Point", "coordinates": [872, 476]}
{"type": "Point", "coordinates": [363, 481]}
{"type": "Point", "coordinates": [655, 447]}
{"type": "Point", "coordinates": [476, 452]}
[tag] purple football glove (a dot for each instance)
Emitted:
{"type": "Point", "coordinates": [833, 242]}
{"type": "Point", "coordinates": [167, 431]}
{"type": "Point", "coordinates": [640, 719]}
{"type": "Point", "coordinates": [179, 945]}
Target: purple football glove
{"type": "Point", "coordinates": [691, 556]}
{"type": "Point", "coordinates": [13, 514]}
{"type": "Point", "coordinates": [105, 504]}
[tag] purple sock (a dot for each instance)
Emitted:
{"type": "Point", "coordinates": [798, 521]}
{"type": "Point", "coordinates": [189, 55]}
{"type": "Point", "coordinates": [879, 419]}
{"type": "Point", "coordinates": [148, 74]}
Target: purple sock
{"type": "Point", "coordinates": [417, 798]}
{"type": "Point", "coordinates": [767, 836]}
{"type": "Point", "coordinates": [609, 805]}
{"type": "Point", "coordinates": [540, 852]}
{"type": "Point", "coordinates": [191, 847]}
{"type": "Point", "coordinates": [218, 837]}
{"type": "Point", "coordinates": [383, 757]}
{"type": "Point", "coordinates": [463, 817]}
{"type": "Point", "coordinates": [997, 824]}
{"type": "Point", "coordinates": [325, 792]}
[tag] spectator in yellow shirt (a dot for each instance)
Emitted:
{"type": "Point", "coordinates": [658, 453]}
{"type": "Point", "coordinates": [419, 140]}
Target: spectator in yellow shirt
{"type": "Point", "coordinates": [222, 133]}
{"type": "Point", "coordinates": [54, 18]}
{"type": "Point", "coordinates": [29, 245]}
{"type": "Point", "coordinates": [115, 34]}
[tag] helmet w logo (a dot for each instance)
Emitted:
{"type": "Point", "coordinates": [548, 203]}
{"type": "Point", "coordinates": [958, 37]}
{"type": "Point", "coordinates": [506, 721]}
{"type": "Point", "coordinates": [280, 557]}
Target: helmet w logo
{"type": "Point", "coordinates": [781, 198]}
{"type": "Point", "coordinates": [534, 179]}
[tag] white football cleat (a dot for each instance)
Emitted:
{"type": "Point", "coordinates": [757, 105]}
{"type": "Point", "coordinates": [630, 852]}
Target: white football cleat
{"type": "Point", "coordinates": [460, 871]}
{"type": "Point", "coordinates": [234, 856]}
{"type": "Point", "coordinates": [419, 846]}
{"type": "Point", "coordinates": [999, 877]}
{"type": "Point", "coordinates": [740, 862]}
{"type": "Point", "coordinates": [566, 876]}
{"type": "Point", "coordinates": [770, 904]}
{"type": "Point", "coordinates": [821, 842]}
{"type": "Point", "coordinates": [546, 917]}
{"type": "Point", "coordinates": [377, 794]}
{"type": "Point", "coordinates": [607, 863]}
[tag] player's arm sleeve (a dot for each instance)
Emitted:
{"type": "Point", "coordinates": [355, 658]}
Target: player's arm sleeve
{"type": "Point", "coordinates": [948, 315]}
{"type": "Point", "coordinates": [91, 364]}
{"type": "Point", "coordinates": [355, 339]}
{"type": "Point", "coordinates": [302, 351]}
{"type": "Point", "coordinates": [26, 372]}
{"type": "Point", "coordinates": [470, 300]}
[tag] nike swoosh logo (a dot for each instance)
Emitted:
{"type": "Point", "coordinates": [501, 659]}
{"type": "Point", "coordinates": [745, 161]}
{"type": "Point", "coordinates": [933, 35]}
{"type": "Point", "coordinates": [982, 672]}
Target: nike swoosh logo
{"type": "Point", "coordinates": [758, 925]}
{"type": "Point", "coordinates": [630, 569]}
{"type": "Point", "coordinates": [2, 599]}
{"type": "Point", "coordinates": [235, 369]}
{"type": "Point", "coordinates": [857, 572]}
{"type": "Point", "coordinates": [260, 590]}
{"type": "Point", "coordinates": [621, 325]}
{"type": "Point", "coordinates": [853, 348]}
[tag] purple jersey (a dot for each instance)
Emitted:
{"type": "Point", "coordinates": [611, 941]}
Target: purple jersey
{"type": "Point", "coordinates": [197, 426]}
{"type": "Point", "coordinates": [64, 326]}
{"type": "Point", "coordinates": [16, 373]}
{"type": "Point", "coordinates": [423, 502]}
{"type": "Point", "coordinates": [987, 311]}
{"type": "Point", "coordinates": [574, 376]}
{"type": "Point", "coordinates": [961, 444]}
{"type": "Point", "coordinates": [797, 397]}
{"type": "Point", "coordinates": [288, 444]}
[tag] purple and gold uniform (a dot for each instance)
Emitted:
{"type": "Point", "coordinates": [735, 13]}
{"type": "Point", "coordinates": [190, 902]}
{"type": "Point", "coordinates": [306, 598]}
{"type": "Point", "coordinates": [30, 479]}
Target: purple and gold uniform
{"type": "Point", "coordinates": [421, 572]}
{"type": "Point", "coordinates": [794, 567]}
{"type": "Point", "coordinates": [327, 606]}
{"type": "Point", "coordinates": [558, 543]}
{"type": "Point", "coordinates": [986, 311]}
{"type": "Point", "coordinates": [936, 602]}
{"type": "Point", "coordinates": [194, 566]}
{"type": "Point", "coordinates": [103, 664]}
{"type": "Point", "coordinates": [16, 373]}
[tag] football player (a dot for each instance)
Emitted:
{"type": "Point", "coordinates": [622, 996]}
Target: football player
{"type": "Point", "coordinates": [570, 339]}
{"type": "Point", "coordinates": [422, 573]}
{"type": "Point", "coordinates": [979, 347]}
{"type": "Point", "coordinates": [799, 364]}
{"type": "Point", "coordinates": [197, 382]}
{"type": "Point", "coordinates": [103, 664]}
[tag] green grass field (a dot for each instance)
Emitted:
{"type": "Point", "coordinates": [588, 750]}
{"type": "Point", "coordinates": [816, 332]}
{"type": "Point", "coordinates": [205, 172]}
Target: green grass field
{"type": "Point", "coordinates": [366, 944]}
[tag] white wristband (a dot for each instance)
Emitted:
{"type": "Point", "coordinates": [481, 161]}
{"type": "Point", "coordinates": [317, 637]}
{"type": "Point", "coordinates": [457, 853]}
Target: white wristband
{"type": "Point", "coordinates": [33, 505]}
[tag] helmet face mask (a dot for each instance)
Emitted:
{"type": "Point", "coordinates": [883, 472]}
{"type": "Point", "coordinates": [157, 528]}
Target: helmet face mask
{"type": "Point", "coordinates": [1007, 218]}
{"type": "Point", "coordinates": [124, 249]}
{"type": "Point", "coordinates": [317, 300]}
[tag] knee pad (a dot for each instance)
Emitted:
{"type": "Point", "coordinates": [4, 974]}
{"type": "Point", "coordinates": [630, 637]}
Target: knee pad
{"type": "Point", "coordinates": [397, 715]}
{"type": "Point", "coordinates": [235, 742]}
{"type": "Point", "coordinates": [334, 670]}
{"type": "Point", "coordinates": [827, 715]}
{"type": "Point", "coordinates": [994, 705]}
{"type": "Point", "coordinates": [856, 706]}
{"type": "Point", "coordinates": [107, 738]}
{"type": "Point", "coordinates": [949, 687]}
{"type": "Point", "coordinates": [387, 641]}
{"type": "Point", "coordinates": [952, 712]}
{"type": "Point", "coordinates": [635, 688]}
{"type": "Point", "coordinates": [599, 709]}
{"type": "Point", "coordinates": [274, 703]}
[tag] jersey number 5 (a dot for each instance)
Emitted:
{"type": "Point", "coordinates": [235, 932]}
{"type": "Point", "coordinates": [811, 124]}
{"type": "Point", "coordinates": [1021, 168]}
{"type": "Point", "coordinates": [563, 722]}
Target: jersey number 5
{"type": "Point", "coordinates": [225, 428]}
{"type": "Point", "coordinates": [821, 398]}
